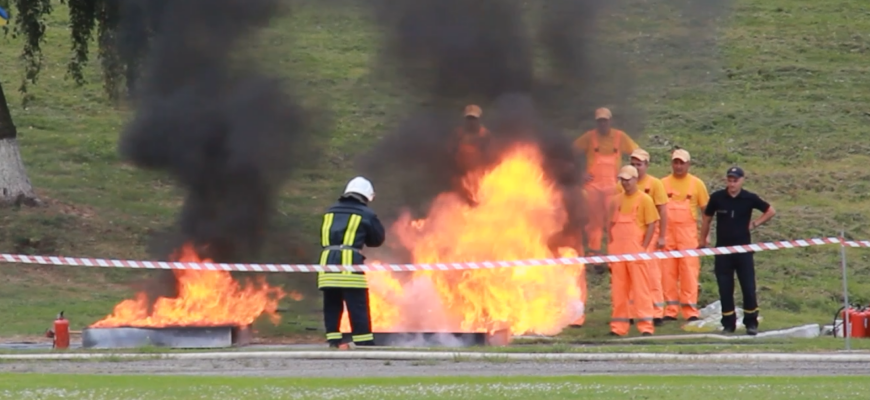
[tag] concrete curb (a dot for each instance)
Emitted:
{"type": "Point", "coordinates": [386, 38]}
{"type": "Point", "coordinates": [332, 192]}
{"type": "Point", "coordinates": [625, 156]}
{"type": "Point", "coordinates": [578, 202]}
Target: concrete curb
{"type": "Point", "coordinates": [451, 356]}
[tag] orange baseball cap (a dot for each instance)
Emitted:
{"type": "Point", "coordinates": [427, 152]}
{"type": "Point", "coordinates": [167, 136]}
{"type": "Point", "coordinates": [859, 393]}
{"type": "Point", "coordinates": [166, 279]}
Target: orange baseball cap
{"type": "Point", "coordinates": [472, 110]}
{"type": "Point", "coordinates": [603, 113]}
{"type": "Point", "coordinates": [627, 172]}
{"type": "Point", "coordinates": [680, 154]}
{"type": "Point", "coordinates": [640, 154]}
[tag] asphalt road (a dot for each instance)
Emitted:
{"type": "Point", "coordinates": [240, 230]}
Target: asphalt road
{"type": "Point", "coordinates": [380, 368]}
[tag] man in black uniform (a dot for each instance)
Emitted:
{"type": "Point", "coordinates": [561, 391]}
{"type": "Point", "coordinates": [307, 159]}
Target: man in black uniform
{"type": "Point", "coordinates": [733, 209]}
{"type": "Point", "coordinates": [347, 226]}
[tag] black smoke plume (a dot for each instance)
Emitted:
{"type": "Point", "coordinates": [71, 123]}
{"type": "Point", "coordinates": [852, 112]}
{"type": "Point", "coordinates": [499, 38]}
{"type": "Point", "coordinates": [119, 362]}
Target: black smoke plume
{"type": "Point", "coordinates": [543, 64]}
{"type": "Point", "coordinates": [228, 133]}
{"type": "Point", "coordinates": [450, 53]}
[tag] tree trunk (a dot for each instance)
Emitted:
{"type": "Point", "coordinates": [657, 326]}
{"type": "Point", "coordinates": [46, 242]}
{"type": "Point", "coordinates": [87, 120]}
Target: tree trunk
{"type": "Point", "coordinates": [15, 187]}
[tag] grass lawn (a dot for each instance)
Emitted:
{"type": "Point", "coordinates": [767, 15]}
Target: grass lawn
{"type": "Point", "coordinates": [783, 92]}
{"type": "Point", "coordinates": [22, 387]}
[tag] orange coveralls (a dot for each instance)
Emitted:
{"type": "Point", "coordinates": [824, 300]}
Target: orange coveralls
{"type": "Point", "coordinates": [680, 275]}
{"type": "Point", "coordinates": [469, 151]}
{"type": "Point", "coordinates": [470, 156]}
{"type": "Point", "coordinates": [631, 278]}
{"type": "Point", "coordinates": [603, 166]}
{"type": "Point", "coordinates": [651, 186]}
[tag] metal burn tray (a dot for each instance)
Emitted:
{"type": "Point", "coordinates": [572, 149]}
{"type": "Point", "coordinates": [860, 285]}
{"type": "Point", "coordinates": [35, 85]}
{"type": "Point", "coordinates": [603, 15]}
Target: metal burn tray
{"type": "Point", "coordinates": [437, 339]}
{"type": "Point", "coordinates": [181, 337]}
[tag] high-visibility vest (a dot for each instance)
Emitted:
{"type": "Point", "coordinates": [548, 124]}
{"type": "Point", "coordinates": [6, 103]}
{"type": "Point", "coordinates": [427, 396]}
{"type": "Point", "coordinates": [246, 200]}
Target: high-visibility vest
{"type": "Point", "coordinates": [349, 225]}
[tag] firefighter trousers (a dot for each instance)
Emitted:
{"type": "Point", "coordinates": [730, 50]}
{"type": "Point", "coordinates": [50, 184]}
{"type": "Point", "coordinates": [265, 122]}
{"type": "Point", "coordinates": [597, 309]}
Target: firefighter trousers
{"type": "Point", "coordinates": [725, 266]}
{"type": "Point", "coordinates": [357, 301]}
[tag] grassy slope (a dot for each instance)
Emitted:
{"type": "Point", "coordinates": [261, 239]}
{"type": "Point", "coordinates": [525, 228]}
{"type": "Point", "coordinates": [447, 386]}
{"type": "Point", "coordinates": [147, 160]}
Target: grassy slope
{"type": "Point", "coordinates": [648, 387]}
{"type": "Point", "coordinates": [786, 100]}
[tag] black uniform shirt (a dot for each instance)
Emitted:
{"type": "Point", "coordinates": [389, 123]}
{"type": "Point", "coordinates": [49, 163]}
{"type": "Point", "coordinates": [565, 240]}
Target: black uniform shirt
{"type": "Point", "coordinates": [733, 215]}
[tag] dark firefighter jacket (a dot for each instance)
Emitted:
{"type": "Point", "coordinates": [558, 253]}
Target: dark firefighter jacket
{"type": "Point", "coordinates": [347, 226]}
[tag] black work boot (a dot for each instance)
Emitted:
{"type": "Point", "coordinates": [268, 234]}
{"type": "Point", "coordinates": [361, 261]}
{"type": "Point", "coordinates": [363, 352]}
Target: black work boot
{"type": "Point", "coordinates": [751, 330]}
{"type": "Point", "coordinates": [729, 323]}
{"type": "Point", "coordinates": [658, 322]}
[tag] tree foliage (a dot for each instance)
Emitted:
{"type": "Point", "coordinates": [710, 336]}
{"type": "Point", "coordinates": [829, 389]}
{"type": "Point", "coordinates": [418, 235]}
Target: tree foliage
{"type": "Point", "coordinates": [120, 50]}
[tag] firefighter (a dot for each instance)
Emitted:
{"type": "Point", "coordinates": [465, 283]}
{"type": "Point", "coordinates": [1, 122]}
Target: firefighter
{"type": "Point", "coordinates": [655, 189]}
{"type": "Point", "coordinates": [603, 148]}
{"type": "Point", "coordinates": [733, 208]}
{"type": "Point", "coordinates": [348, 226]}
{"type": "Point", "coordinates": [470, 144]}
{"type": "Point", "coordinates": [631, 231]}
{"type": "Point", "coordinates": [687, 197]}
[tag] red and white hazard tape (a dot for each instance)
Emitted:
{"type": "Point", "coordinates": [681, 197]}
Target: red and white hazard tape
{"type": "Point", "coordinates": [96, 262]}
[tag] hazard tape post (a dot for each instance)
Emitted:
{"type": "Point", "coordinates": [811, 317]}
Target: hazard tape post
{"type": "Point", "coordinates": [704, 252]}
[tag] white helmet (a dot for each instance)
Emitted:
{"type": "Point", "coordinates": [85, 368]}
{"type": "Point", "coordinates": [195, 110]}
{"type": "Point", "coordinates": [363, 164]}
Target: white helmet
{"type": "Point", "coordinates": [361, 186]}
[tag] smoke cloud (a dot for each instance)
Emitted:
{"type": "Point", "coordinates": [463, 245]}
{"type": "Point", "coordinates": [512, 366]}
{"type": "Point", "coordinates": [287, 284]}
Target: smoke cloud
{"type": "Point", "coordinates": [545, 65]}
{"type": "Point", "coordinates": [450, 53]}
{"type": "Point", "coordinates": [205, 113]}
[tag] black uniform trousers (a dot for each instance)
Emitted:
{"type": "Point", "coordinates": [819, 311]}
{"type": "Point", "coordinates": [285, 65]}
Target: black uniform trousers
{"type": "Point", "coordinates": [743, 264]}
{"type": "Point", "coordinates": [357, 301]}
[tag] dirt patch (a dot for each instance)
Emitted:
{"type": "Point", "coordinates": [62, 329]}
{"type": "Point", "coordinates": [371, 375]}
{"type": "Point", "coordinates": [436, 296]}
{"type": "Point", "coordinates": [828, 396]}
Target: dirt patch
{"type": "Point", "coordinates": [59, 207]}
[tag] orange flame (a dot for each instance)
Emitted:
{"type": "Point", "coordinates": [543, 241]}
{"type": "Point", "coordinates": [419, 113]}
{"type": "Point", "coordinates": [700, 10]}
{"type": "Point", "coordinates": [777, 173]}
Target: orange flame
{"type": "Point", "coordinates": [518, 211]}
{"type": "Point", "coordinates": [205, 298]}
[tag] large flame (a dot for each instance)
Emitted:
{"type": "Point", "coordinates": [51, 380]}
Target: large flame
{"type": "Point", "coordinates": [205, 298]}
{"type": "Point", "coordinates": [518, 210]}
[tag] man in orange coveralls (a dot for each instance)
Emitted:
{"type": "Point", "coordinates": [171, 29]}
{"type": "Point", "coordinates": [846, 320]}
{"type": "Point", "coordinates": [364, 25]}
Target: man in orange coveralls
{"type": "Point", "coordinates": [631, 231]}
{"type": "Point", "coordinates": [655, 189]}
{"type": "Point", "coordinates": [687, 197]}
{"type": "Point", "coordinates": [604, 147]}
{"type": "Point", "coordinates": [469, 146]}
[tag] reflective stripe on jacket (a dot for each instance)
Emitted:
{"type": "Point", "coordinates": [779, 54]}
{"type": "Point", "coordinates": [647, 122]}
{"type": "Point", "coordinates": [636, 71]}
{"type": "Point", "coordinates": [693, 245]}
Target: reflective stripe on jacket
{"type": "Point", "coordinates": [347, 226]}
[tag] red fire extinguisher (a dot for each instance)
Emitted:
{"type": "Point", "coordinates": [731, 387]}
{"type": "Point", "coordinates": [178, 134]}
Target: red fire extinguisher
{"type": "Point", "coordinates": [857, 321]}
{"type": "Point", "coordinates": [61, 332]}
{"type": "Point", "coordinates": [866, 316]}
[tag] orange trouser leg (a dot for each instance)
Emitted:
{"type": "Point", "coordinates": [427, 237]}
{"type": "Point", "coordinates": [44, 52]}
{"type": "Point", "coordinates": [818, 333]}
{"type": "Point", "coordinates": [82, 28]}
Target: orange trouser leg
{"type": "Point", "coordinates": [640, 291]}
{"type": "Point", "coordinates": [670, 278]}
{"type": "Point", "coordinates": [680, 275]}
{"type": "Point", "coordinates": [596, 208]}
{"type": "Point", "coordinates": [620, 286]}
{"type": "Point", "coordinates": [655, 286]}
{"type": "Point", "coordinates": [654, 271]}
{"type": "Point", "coordinates": [690, 268]}
{"type": "Point", "coordinates": [655, 282]}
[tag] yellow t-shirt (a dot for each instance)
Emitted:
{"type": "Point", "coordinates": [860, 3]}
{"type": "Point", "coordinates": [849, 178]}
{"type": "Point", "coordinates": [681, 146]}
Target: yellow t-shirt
{"type": "Point", "coordinates": [680, 186]}
{"type": "Point", "coordinates": [605, 144]}
{"type": "Point", "coordinates": [653, 187]}
{"type": "Point", "coordinates": [646, 210]}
